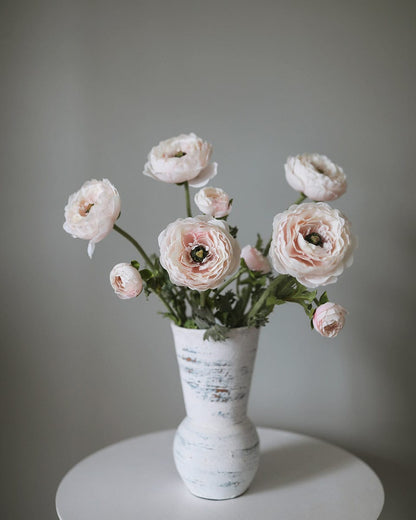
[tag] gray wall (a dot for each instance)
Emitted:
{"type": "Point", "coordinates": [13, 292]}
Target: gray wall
{"type": "Point", "coordinates": [87, 88]}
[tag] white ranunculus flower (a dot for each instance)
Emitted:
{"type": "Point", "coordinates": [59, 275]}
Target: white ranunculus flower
{"type": "Point", "coordinates": [126, 281]}
{"type": "Point", "coordinates": [329, 319]}
{"type": "Point", "coordinates": [316, 176]}
{"type": "Point", "coordinates": [182, 158]}
{"type": "Point", "coordinates": [92, 211]}
{"type": "Point", "coordinates": [198, 252]}
{"type": "Point", "coordinates": [213, 201]}
{"type": "Point", "coordinates": [312, 242]}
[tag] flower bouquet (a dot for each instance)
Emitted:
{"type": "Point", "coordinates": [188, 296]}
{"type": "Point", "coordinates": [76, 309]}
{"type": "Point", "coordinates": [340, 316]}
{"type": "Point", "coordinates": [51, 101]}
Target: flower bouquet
{"type": "Point", "coordinates": [218, 295]}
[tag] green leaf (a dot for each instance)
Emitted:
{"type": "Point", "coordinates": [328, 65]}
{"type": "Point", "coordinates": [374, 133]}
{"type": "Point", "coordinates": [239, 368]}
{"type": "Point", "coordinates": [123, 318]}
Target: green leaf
{"type": "Point", "coordinates": [233, 231]}
{"type": "Point", "coordinates": [146, 274]}
{"type": "Point", "coordinates": [216, 333]}
{"type": "Point", "coordinates": [135, 264]}
{"type": "Point", "coordinates": [323, 299]}
{"type": "Point", "coordinates": [259, 243]}
{"type": "Point", "coordinates": [168, 315]}
{"type": "Point", "coordinates": [190, 324]}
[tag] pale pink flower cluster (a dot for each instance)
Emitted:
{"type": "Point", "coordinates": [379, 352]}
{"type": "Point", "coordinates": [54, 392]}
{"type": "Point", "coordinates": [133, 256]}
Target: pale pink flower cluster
{"type": "Point", "coordinates": [182, 158]}
{"type": "Point", "coordinates": [199, 252]}
{"type": "Point", "coordinates": [316, 176]}
{"type": "Point", "coordinates": [313, 243]}
{"type": "Point", "coordinates": [255, 260]}
{"type": "Point", "coordinates": [126, 281]}
{"type": "Point", "coordinates": [329, 319]}
{"type": "Point", "coordinates": [213, 201]}
{"type": "Point", "coordinates": [92, 211]}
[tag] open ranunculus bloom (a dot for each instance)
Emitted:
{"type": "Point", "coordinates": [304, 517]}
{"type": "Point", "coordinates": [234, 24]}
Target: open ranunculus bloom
{"type": "Point", "coordinates": [91, 212]}
{"type": "Point", "coordinates": [201, 276]}
{"type": "Point", "coordinates": [313, 243]}
{"type": "Point", "coordinates": [316, 176]}
{"type": "Point", "coordinates": [198, 253]}
{"type": "Point", "coordinates": [180, 159]}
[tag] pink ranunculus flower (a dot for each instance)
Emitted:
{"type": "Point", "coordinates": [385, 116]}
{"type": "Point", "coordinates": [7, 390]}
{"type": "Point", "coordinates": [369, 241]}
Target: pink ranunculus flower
{"type": "Point", "coordinates": [198, 252]}
{"type": "Point", "coordinates": [313, 243]}
{"type": "Point", "coordinates": [255, 260]}
{"type": "Point", "coordinates": [182, 158]}
{"type": "Point", "coordinates": [92, 211]}
{"type": "Point", "coordinates": [126, 281]}
{"type": "Point", "coordinates": [213, 201]}
{"type": "Point", "coordinates": [316, 176]}
{"type": "Point", "coordinates": [329, 319]}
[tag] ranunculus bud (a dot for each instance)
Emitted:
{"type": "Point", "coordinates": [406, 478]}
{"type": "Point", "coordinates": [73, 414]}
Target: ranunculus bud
{"type": "Point", "coordinates": [316, 176]}
{"type": "Point", "coordinates": [213, 201]}
{"type": "Point", "coordinates": [312, 242]}
{"type": "Point", "coordinates": [126, 281]}
{"type": "Point", "coordinates": [92, 211]}
{"type": "Point", "coordinates": [329, 319]}
{"type": "Point", "coordinates": [255, 260]}
{"type": "Point", "coordinates": [179, 159]}
{"type": "Point", "coordinates": [199, 252]}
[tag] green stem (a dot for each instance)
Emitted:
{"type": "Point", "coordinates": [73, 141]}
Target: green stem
{"type": "Point", "coordinates": [230, 280]}
{"type": "Point", "coordinates": [188, 199]}
{"type": "Point", "coordinates": [149, 263]}
{"type": "Point", "coordinates": [301, 198]}
{"type": "Point", "coordinates": [260, 302]}
{"type": "Point", "coordinates": [203, 298]}
{"type": "Point", "coordinates": [162, 298]}
{"type": "Point", "coordinates": [135, 243]}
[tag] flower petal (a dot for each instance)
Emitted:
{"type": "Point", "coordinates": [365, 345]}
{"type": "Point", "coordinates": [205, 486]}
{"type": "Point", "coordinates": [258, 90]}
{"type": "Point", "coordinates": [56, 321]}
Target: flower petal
{"type": "Point", "coordinates": [204, 176]}
{"type": "Point", "coordinates": [91, 248]}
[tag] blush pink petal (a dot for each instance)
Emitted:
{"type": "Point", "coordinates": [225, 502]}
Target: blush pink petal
{"type": "Point", "coordinates": [312, 265]}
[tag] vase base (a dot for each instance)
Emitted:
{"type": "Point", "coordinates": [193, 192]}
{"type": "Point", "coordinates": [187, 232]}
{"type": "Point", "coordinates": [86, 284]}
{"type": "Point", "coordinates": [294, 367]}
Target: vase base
{"type": "Point", "coordinates": [216, 499]}
{"type": "Point", "coordinates": [216, 464]}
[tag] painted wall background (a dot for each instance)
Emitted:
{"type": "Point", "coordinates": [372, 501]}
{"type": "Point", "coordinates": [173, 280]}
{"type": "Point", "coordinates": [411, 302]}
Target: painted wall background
{"type": "Point", "coordinates": [87, 88]}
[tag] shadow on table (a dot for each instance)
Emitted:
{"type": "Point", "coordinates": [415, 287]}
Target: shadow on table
{"type": "Point", "coordinates": [296, 462]}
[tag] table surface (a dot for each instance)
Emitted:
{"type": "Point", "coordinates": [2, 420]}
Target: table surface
{"type": "Point", "coordinates": [299, 478]}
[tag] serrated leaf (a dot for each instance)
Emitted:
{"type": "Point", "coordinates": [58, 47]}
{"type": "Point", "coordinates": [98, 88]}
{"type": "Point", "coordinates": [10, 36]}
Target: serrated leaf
{"type": "Point", "coordinates": [259, 243]}
{"type": "Point", "coordinates": [233, 231]}
{"type": "Point", "coordinates": [216, 333]}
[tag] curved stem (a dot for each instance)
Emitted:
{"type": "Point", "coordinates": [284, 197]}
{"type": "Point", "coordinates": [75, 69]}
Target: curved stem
{"type": "Point", "coordinates": [301, 198]}
{"type": "Point", "coordinates": [260, 302]}
{"type": "Point", "coordinates": [188, 199]}
{"type": "Point", "coordinates": [135, 243]}
{"type": "Point", "coordinates": [230, 280]}
{"type": "Point", "coordinates": [163, 299]}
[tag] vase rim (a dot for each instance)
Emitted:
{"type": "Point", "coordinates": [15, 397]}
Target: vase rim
{"type": "Point", "coordinates": [173, 325]}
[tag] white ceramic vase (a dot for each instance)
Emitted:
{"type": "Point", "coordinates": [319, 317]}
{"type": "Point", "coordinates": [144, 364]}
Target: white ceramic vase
{"type": "Point", "coordinates": [216, 447]}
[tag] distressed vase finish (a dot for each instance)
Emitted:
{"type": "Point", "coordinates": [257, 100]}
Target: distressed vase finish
{"type": "Point", "coordinates": [216, 447]}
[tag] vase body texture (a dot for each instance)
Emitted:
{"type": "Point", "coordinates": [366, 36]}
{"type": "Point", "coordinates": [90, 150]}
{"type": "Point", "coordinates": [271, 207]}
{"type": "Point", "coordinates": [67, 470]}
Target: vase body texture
{"type": "Point", "coordinates": [216, 447]}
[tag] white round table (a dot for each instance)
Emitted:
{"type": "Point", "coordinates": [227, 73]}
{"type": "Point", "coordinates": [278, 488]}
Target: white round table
{"type": "Point", "coordinates": [299, 478]}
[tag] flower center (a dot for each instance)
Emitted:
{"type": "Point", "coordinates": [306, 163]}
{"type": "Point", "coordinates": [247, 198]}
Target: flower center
{"type": "Point", "coordinates": [119, 282]}
{"type": "Point", "coordinates": [319, 168]}
{"type": "Point", "coordinates": [85, 209]}
{"type": "Point", "coordinates": [199, 253]}
{"type": "Point", "coordinates": [179, 154]}
{"type": "Point", "coordinates": [315, 239]}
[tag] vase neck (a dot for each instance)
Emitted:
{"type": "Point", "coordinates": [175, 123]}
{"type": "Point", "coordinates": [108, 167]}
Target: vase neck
{"type": "Point", "coordinates": [216, 376]}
